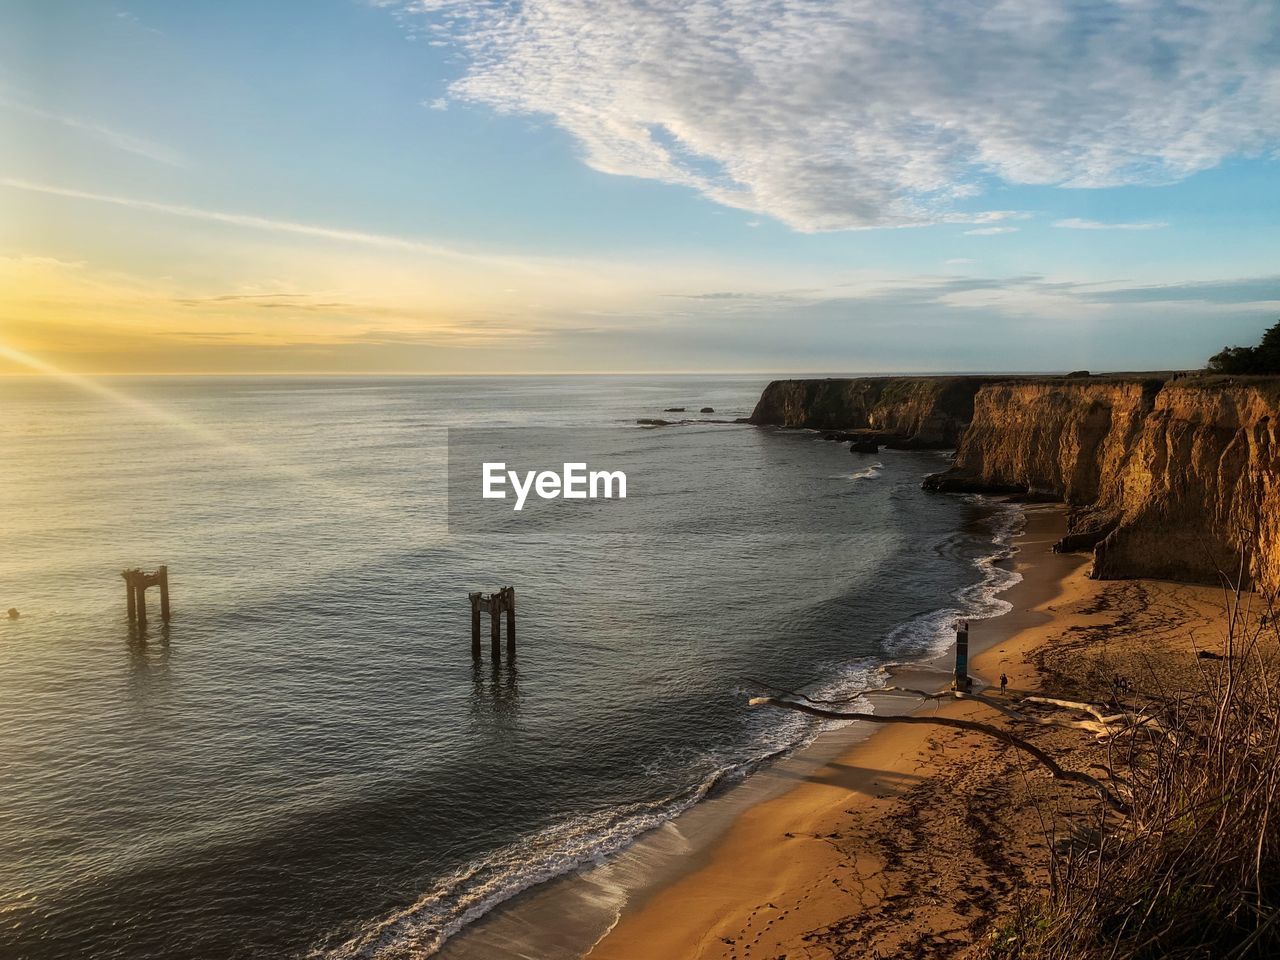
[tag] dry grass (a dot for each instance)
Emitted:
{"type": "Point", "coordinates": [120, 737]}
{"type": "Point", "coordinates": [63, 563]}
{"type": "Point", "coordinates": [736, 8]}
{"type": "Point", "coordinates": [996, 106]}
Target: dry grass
{"type": "Point", "coordinates": [1194, 869]}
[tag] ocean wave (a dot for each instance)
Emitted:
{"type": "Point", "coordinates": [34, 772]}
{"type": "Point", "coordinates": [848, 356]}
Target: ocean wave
{"type": "Point", "coordinates": [930, 634]}
{"type": "Point", "coordinates": [866, 473]}
{"type": "Point", "coordinates": [473, 890]}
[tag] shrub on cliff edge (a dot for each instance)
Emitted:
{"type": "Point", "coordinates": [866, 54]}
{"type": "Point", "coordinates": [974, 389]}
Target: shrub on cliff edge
{"type": "Point", "coordinates": [1262, 359]}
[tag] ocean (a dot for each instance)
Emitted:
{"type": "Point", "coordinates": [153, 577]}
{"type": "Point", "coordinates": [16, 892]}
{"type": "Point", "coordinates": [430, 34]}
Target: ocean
{"type": "Point", "coordinates": [307, 762]}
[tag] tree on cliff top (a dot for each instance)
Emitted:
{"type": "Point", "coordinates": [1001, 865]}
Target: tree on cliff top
{"type": "Point", "coordinates": [1264, 358]}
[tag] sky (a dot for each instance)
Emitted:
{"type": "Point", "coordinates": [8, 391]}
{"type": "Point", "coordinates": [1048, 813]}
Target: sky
{"type": "Point", "coordinates": [539, 186]}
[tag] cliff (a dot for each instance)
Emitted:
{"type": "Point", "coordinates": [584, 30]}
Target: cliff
{"type": "Point", "coordinates": [1167, 479]}
{"type": "Point", "coordinates": [914, 411]}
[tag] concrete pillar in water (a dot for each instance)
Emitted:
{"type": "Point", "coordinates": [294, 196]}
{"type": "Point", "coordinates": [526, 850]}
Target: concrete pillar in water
{"type": "Point", "coordinates": [162, 577]}
{"type": "Point", "coordinates": [509, 603]}
{"type": "Point", "coordinates": [475, 625]}
{"type": "Point", "coordinates": [495, 627]}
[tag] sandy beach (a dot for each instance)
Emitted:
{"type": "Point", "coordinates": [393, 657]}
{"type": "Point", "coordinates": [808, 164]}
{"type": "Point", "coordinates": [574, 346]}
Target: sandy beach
{"type": "Point", "coordinates": [918, 840]}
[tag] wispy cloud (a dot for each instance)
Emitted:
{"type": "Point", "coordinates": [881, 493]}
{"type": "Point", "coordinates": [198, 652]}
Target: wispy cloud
{"type": "Point", "coordinates": [843, 115]}
{"type": "Point", "coordinates": [132, 17]}
{"type": "Point", "coordinates": [1074, 223]}
{"type": "Point", "coordinates": [253, 222]}
{"type": "Point", "coordinates": [268, 301]}
{"type": "Point", "coordinates": [1263, 291]}
{"type": "Point", "coordinates": [991, 231]}
{"type": "Point", "coordinates": [138, 146]}
{"type": "Point", "coordinates": [959, 291]}
{"type": "Point", "coordinates": [91, 318]}
{"type": "Point", "coordinates": [53, 305]}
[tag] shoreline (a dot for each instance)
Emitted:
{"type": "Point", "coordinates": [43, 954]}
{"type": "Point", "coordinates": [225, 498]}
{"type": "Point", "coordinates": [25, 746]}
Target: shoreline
{"type": "Point", "coordinates": [924, 842]}
{"type": "Point", "coordinates": [582, 909]}
{"type": "Point", "coordinates": [732, 883]}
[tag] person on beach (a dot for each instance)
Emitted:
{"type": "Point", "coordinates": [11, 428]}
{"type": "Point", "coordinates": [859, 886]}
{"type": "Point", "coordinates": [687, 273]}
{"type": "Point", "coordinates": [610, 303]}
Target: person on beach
{"type": "Point", "coordinates": [1004, 683]}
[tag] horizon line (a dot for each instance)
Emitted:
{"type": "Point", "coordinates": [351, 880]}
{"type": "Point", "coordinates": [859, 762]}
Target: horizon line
{"type": "Point", "coordinates": [595, 373]}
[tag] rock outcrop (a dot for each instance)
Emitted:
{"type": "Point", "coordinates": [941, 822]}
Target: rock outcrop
{"type": "Point", "coordinates": [913, 411]}
{"type": "Point", "coordinates": [1173, 479]}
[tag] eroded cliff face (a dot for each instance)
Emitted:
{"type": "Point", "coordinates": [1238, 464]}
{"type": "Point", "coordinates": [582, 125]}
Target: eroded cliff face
{"type": "Point", "coordinates": [919, 411]}
{"type": "Point", "coordinates": [1169, 478]}
{"type": "Point", "coordinates": [1165, 479]}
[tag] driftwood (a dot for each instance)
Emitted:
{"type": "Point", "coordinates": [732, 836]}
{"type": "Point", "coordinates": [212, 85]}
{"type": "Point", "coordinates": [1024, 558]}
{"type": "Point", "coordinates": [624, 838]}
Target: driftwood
{"type": "Point", "coordinates": [1104, 725]}
{"type": "Point", "coordinates": [803, 705]}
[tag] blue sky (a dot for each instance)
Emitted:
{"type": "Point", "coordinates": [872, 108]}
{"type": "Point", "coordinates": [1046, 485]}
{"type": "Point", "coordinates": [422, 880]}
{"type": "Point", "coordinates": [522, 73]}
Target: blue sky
{"type": "Point", "coordinates": [610, 185]}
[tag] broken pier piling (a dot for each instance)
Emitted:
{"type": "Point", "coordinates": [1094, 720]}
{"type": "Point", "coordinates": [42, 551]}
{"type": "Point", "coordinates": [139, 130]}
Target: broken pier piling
{"type": "Point", "coordinates": [136, 582]}
{"type": "Point", "coordinates": [496, 604]}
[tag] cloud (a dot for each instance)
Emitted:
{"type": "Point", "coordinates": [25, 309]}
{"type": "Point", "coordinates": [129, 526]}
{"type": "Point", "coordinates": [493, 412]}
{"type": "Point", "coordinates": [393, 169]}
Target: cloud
{"type": "Point", "coordinates": [959, 262]}
{"type": "Point", "coordinates": [269, 301]}
{"type": "Point", "coordinates": [1023, 294]}
{"type": "Point", "coordinates": [278, 317]}
{"type": "Point", "coordinates": [983, 323]}
{"type": "Point", "coordinates": [849, 114]}
{"type": "Point", "coordinates": [990, 231]}
{"type": "Point", "coordinates": [133, 18]}
{"type": "Point", "coordinates": [149, 149]}
{"type": "Point", "coordinates": [1075, 223]}
{"type": "Point", "coordinates": [254, 222]}
{"type": "Point", "coordinates": [1246, 290]}
{"type": "Point", "coordinates": [52, 307]}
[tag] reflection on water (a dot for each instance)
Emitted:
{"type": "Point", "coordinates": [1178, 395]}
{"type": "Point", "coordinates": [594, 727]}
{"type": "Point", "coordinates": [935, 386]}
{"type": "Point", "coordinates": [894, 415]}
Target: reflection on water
{"type": "Point", "coordinates": [149, 650]}
{"type": "Point", "coordinates": [495, 691]}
